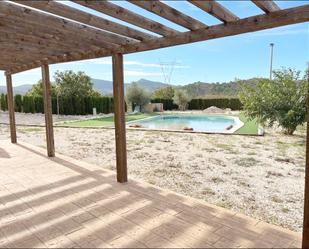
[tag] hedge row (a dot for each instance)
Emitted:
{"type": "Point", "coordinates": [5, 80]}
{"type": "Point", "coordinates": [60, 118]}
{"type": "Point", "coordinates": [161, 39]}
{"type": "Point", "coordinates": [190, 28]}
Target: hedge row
{"type": "Point", "coordinates": [201, 104]}
{"type": "Point", "coordinates": [82, 106]}
{"type": "Point", "coordinates": [67, 106]}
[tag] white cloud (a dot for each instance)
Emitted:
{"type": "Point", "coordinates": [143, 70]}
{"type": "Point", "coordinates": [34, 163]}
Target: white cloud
{"type": "Point", "coordinates": [108, 61]}
{"type": "Point", "coordinates": [140, 73]}
{"type": "Point", "coordinates": [282, 32]}
{"type": "Point", "coordinates": [32, 72]}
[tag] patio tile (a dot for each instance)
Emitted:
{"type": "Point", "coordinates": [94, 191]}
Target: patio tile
{"type": "Point", "coordinates": [62, 202]}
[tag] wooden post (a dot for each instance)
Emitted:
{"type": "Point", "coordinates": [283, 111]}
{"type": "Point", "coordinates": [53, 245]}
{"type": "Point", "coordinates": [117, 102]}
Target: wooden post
{"type": "Point", "coordinates": [305, 242]}
{"type": "Point", "coordinates": [10, 102]}
{"type": "Point", "coordinates": [119, 110]}
{"type": "Point", "coordinates": [48, 111]}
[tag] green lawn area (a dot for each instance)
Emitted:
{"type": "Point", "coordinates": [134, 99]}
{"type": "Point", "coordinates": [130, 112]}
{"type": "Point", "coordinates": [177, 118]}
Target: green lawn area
{"type": "Point", "coordinates": [250, 126]}
{"type": "Point", "coordinates": [107, 121]}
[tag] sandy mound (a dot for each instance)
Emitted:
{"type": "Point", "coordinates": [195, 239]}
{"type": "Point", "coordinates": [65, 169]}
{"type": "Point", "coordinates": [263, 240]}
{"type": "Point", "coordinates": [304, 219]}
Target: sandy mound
{"type": "Point", "coordinates": [214, 109]}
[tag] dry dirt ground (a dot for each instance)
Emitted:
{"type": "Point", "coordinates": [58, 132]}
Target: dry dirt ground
{"type": "Point", "coordinates": [262, 177]}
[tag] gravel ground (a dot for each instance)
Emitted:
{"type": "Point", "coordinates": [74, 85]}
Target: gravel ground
{"type": "Point", "coordinates": [262, 177]}
{"type": "Point", "coordinates": [39, 119]}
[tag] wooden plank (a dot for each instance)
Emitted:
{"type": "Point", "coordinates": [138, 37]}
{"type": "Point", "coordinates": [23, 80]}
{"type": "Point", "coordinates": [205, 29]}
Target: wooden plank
{"type": "Point", "coordinates": [65, 58]}
{"type": "Point", "coordinates": [10, 100]}
{"type": "Point", "coordinates": [38, 41]}
{"type": "Point", "coordinates": [169, 13]}
{"type": "Point", "coordinates": [254, 23]}
{"type": "Point", "coordinates": [215, 9]}
{"type": "Point", "coordinates": [123, 14]}
{"type": "Point", "coordinates": [8, 26]}
{"type": "Point", "coordinates": [34, 49]}
{"type": "Point", "coordinates": [37, 19]}
{"type": "Point", "coordinates": [48, 111]}
{"type": "Point", "coordinates": [305, 239]}
{"type": "Point", "coordinates": [266, 5]}
{"type": "Point", "coordinates": [86, 18]}
{"type": "Point", "coordinates": [119, 110]}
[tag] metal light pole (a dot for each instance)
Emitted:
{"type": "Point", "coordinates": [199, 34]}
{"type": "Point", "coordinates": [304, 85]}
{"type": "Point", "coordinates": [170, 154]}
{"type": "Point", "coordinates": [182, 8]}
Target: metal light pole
{"type": "Point", "coordinates": [271, 60]}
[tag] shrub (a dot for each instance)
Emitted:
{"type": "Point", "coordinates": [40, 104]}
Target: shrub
{"type": "Point", "coordinates": [279, 101]}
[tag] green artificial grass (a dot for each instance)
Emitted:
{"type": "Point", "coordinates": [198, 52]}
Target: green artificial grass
{"type": "Point", "coordinates": [250, 126]}
{"type": "Point", "coordinates": [107, 121]}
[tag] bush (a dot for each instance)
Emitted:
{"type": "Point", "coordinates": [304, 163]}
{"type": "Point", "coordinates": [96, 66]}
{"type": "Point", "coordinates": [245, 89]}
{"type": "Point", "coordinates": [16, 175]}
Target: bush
{"type": "Point", "coordinates": [279, 101]}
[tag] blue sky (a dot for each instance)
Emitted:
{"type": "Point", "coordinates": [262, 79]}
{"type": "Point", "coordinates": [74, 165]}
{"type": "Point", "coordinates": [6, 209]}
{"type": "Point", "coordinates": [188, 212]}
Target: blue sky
{"type": "Point", "coordinates": [220, 60]}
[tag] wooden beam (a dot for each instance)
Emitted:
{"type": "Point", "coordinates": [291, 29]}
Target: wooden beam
{"type": "Point", "coordinates": [70, 57]}
{"type": "Point", "coordinates": [40, 42]}
{"type": "Point", "coordinates": [23, 47]}
{"type": "Point", "coordinates": [215, 9]}
{"type": "Point", "coordinates": [40, 19]}
{"type": "Point", "coordinates": [8, 26]}
{"type": "Point", "coordinates": [48, 111]}
{"type": "Point", "coordinates": [266, 5]}
{"type": "Point", "coordinates": [305, 240]}
{"type": "Point", "coordinates": [119, 110]}
{"type": "Point", "coordinates": [10, 102]}
{"type": "Point", "coordinates": [123, 14]}
{"type": "Point", "coordinates": [254, 23]}
{"type": "Point", "coordinates": [169, 13]}
{"type": "Point", "coordinates": [86, 18]}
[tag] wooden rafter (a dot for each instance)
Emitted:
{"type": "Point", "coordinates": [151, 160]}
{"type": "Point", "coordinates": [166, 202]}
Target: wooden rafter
{"type": "Point", "coordinates": [86, 18]}
{"type": "Point", "coordinates": [267, 5]}
{"type": "Point", "coordinates": [8, 35]}
{"type": "Point", "coordinates": [169, 13]}
{"type": "Point", "coordinates": [49, 34]}
{"type": "Point", "coordinates": [37, 19]}
{"type": "Point", "coordinates": [250, 24]}
{"type": "Point", "coordinates": [123, 14]}
{"type": "Point", "coordinates": [254, 23]}
{"type": "Point", "coordinates": [215, 9]}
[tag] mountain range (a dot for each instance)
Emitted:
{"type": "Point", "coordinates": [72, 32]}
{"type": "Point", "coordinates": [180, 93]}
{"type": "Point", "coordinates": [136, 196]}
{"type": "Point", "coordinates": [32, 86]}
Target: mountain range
{"type": "Point", "coordinates": [195, 90]}
{"type": "Point", "coordinates": [106, 87]}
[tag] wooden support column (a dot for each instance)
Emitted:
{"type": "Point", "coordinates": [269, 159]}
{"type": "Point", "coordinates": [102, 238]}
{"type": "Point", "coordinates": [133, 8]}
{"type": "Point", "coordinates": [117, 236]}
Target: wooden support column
{"type": "Point", "coordinates": [119, 113]}
{"type": "Point", "coordinates": [48, 111]}
{"type": "Point", "coordinates": [305, 242]}
{"type": "Point", "coordinates": [10, 103]}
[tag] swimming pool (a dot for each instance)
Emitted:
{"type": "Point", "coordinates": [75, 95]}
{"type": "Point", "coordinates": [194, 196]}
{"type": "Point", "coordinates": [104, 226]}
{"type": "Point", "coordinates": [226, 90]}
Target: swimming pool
{"type": "Point", "coordinates": [190, 122]}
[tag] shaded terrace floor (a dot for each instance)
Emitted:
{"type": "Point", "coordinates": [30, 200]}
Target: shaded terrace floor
{"type": "Point", "coordinates": [62, 202]}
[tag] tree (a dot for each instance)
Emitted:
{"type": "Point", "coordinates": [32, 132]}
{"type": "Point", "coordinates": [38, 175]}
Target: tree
{"type": "Point", "coordinates": [74, 84]}
{"type": "Point", "coordinates": [37, 90]}
{"type": "Point", "coordinates": [164, 93]}
{"type": "Point", "coordinates": [281, 101]}
{"type": "Point", "coordinates": [137, 96]}
{"type": "Point", "coordinates": [182, 99]}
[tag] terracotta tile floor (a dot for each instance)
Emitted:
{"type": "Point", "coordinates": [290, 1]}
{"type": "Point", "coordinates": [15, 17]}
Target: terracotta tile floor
{"type": "Point", "coordinates": [62, 202]}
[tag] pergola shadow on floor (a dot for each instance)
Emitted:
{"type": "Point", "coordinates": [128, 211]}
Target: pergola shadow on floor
{"type": "Point", "coordinates": [61, 202]}
{"type": "Point", "coordinates": [40, 33]}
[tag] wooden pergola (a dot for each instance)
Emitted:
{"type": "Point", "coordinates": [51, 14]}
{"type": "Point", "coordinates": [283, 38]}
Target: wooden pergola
{"type": "Point", "coordinates": [40, 33]}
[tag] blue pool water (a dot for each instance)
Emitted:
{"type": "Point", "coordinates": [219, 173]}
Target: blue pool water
{"type": "Point", "coordinates": [200, 123]}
